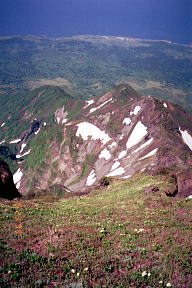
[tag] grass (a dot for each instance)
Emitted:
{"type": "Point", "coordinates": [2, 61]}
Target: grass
{"type": "Point", "coordinates": [114, 237]}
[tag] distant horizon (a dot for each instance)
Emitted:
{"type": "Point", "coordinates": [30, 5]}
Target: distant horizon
{"type": "Point", "coordinates": [100, 35]}
{"type": "Point", "coordinates": [145, 19]}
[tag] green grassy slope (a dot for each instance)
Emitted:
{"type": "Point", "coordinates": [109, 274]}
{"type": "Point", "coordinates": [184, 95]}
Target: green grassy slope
{"type": "Point", "coordinates": [114, 237]}
{"type": "Point", "coordinates": [90, 67]}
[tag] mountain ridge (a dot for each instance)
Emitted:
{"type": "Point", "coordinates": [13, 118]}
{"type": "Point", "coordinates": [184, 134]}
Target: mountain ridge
{"type": "Point", "coordinates": [117, 134]}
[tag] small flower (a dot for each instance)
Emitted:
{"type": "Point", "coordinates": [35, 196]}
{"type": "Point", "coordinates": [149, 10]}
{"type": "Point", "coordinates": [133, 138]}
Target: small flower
{"type": "Point", "coordinates": [161, 282]}
{"type": "Point", "coordinates": [73, 271]}
{"type": "Point", "coordinates": [168, 284]}
{"type": "Point", "coordinates": [78, 274]}
{"type": "Point", "coordinates": [86, 269]}
{"type": "Point", "coordinates": [144, 273]}
{"type": "Point", "coordinates": [149, 274]}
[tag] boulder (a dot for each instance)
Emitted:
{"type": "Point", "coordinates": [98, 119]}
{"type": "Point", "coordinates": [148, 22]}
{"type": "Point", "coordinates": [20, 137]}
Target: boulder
{"type": "Point", "coordinates": [151, 189]}
{"type": "Point", "coordinates": [7, 187]}
{"type": "Point", "coordinates": [184, 182]}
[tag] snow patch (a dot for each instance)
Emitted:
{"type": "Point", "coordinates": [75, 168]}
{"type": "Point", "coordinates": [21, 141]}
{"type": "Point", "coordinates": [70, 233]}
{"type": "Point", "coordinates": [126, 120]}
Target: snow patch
{"type": "Point", "coordinates": [2, 124]}
{"type": "Point", "coordinates": [126, 177]}
{"type": "Point", "coordinates": [114, 144]}
{"type": "Point", "coordinates": [117, 172]}
{"type": "Point", "coordinates": [91, 178]}
{"type": "Point", "coordinates": [3, 141]}
{"type": "Point", "coordinates": [127, 121]}
{"type": "Point", "coordinates": [86, 129]}
{"type": "Point", "coordinates": [17, 178]}
{"type": "Point", "coordinates": [44, 124]}
{"type": "Point", "coordinates": [135, 111]}
{"type": "Point", "coordinates": [89, 102]}
{"type": "Point", "coordinates": [122, 154]}
{"type": "Point", "coordinates": [15, 141]}
{"type": "Point", "coordinates": [58, 119]}
{"type": "Point", "coordinates": [187, 138]}
{"type": "Point", "coordinates": [105, 154]}
{"type": "Point", "coordinates": [94, 109]}
{"type": "Point", "coordinates": [165, 105]}
{"type": "Point", "coordinates": [64, 121]}
{"type": "Point", "coordinates": [149, 154]}
{"type": "Point", "coordinates": [37, 131]}
{"type": "Point", "coordinates": [115, 165]}
{"type": "Point", "coordinates": [22, 147]}
{"type": "Point", "coordinates": [137, 134]}
{"type": "Point", "coordinates": [189, 197]}
{"type": "Point", "coordinates": [26, 153]}
{"type": "Point", "coordinates": [143, 145]}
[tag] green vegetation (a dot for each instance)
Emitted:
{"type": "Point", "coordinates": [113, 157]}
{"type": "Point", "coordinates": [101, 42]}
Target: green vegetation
{"type": "Point", "coordinates": [114, 237]}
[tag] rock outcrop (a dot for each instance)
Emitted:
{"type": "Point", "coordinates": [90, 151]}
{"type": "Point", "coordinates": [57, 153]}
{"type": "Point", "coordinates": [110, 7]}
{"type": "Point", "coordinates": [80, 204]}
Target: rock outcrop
{"type": "Point", "coordinates": [7, 187]}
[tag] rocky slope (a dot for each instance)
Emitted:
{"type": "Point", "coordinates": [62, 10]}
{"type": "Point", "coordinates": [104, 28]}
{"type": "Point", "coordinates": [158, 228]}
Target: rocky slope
{"type": "Point", "coordinates": [7, 187]}
{"type": "Point", "coordinates": [117, 135]}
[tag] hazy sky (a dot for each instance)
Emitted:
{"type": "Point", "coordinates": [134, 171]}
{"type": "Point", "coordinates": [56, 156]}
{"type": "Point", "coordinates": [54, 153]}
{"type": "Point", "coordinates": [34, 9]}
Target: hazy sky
{"type": "Point", "coordinates": [155, 19]}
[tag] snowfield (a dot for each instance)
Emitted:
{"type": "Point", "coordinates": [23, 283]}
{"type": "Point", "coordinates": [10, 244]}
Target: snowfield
{"type": "Point", "coordinates": [187, 138]}
{"type": "Point", "coordinates": [89, 102]}
{"type": "Point", "coordinates": [116, 172]}
{"type": "Point", "coordinates": [127, 121]}
{"type": "Point", "coordinates": [105, 154]}
{"type": "Point", "coordinates": [96, 108]}
{"type": "Point", "coordinates": [17, 178]}
{"type": "Point", "coordinates": [15, 141]}
{"type": "Point", "coordinates": [137, 135]}
{"type": "Point", "coordinates": [149, 154]}
{"type": "Point", "coordinates": [86, 130]}
{"type": "Point", "coordinates": [91, 178]}
{"type": "Point", "coordinates": [135, 111]}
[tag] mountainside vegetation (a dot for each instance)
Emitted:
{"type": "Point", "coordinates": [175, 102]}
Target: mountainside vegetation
{"type": "Point", "coordinates": [89, 65]}
{"type": "Point", "coordinates": [116, 236]}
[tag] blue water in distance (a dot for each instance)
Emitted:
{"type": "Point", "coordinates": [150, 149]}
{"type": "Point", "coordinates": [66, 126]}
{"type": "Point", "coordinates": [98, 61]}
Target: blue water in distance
{"type": "Point", "coordinates": [149, 19]}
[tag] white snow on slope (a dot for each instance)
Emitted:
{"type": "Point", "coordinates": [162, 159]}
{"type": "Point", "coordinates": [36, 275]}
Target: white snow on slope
{"type": "Point", "coordinates": [105, 154]}
{"type": "Point", "coordinates": [137, 134]}
{"type": "Point", "coordinates": [3, 141]}
{"type": "Point", "coordinates": [165, 105]}
{"type": "Point", "coordinates": [122, 154]}
{"type": "Point", "coordinates": [117, 172]}
{"type": "Point", "coordinates": [127, 121]}
{"type": "Point", "coordinates": [22, 147]}
{"type": "Point", "coordinates": [187, 138]}
{"type": "Point", "coordinates": [149, 154]}
{"type": "Point", "coordinates": [114, 144]}
{"type": "Point", "coordinates": [135, 111]}
{"type": "Point", "coordinates": [15, 141]}
{"type": "Point", "coordinates": [126, 177]}
{"type": "Point", "coordinates": [86, 129]}
{"type": "Point", "coordinates": [115, 165]}
{"type": "Point", "coordinates": [58, 119]}
{"type": "Point", "coordinates": [37, 131]}
{"type": "Point", "coordinates": [17, 178]}
{"type": "Point", "coordinates": [91, 178]}
{"type": "Point", "coordinates": [24, 154]}
{"type": "Point", "coordinates": [2, 124]}
{"type": "Point", "coordinates": [89, 102]}
{"type": "Point", "coordinates": [94, 109]}
{"type": "Point", "coordinates": [143, 145]}
{"type": "Point", "coordinates": [64, 120]}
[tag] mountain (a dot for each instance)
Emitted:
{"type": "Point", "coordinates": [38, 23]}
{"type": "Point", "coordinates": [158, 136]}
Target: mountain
{"type": "Point", "coordinates": [88, 66]}
{"type": "Point", "coordinates": [76, 143]}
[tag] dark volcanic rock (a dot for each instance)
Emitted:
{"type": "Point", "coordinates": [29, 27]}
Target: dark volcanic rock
{"type": "Point", "coordinates": [151, 189]}
{"type": "Point", "coordinates": [7, 187]}
{"type": "Point", "coordinates": [184, 182]}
